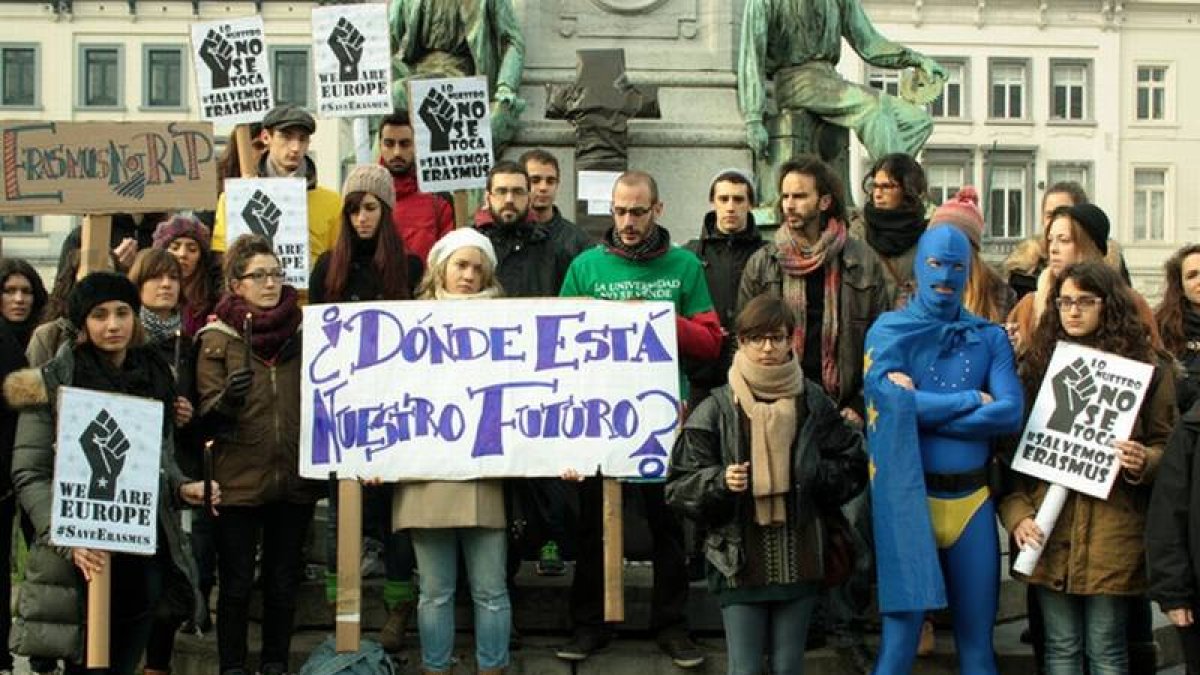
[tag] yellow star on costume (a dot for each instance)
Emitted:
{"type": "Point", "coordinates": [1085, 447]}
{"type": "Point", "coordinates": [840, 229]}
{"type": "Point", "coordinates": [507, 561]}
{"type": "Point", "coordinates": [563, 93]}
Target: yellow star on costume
{"type": "Point", "coordinates": [872, 415]}
{"type": "Point", "coordinates": [867, 360]}
{"type": "Point", "coordinates": [871, 470]}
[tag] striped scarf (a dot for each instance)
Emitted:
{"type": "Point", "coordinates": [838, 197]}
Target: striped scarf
{"type": "Point", "coordinates": [797, 260]}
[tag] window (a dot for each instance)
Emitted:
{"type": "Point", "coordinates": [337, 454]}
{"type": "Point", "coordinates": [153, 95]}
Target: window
{"type": "Point", "coordinates": [1074, 172]}
{"type": "Point", "coordinates": [885, 80]}
{"type": "Point", "coordinates": [163, 77]}
{"type": "Point", "coordinates": [18, 76]}
{"type": "Point", "coordinates": [289, 75]}
{"type": "Point", "coordinates": [945, 180]}
{"type": "Point", "coordinates": [1152, 93]}
{"type": "Point", "coordinates": [1149, 204]}
{"type": "Point", "coordinates": [1069, 85]}
{"type": "Point", "coordinates": [950, 103]}
{"type": "Point", "coordinates": [100, 77]}
{"type": "Point", "coordinates": [16, 224]}
{"type": "Point", "coordinates": [1006, 203]}
{"type": "Point", "coordinates": [1008, 89]}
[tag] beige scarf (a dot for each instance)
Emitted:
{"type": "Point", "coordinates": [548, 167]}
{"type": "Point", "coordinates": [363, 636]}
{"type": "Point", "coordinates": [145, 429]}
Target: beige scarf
{"type": "Point", "coordinates": [767, 394]}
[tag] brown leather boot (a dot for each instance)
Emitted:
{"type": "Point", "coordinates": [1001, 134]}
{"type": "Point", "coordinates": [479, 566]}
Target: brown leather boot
{"type": "Point", "coordinates": [391, 636]}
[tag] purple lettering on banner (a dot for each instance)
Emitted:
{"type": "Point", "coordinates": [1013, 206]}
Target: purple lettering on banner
{"type": "Point", "coordinates": [324, 428]}
{"type": "Point", "coordinates": [499, 341]}
{"type": "Point", "coordinates": [489, 439]}
{"type": "Point", "coordinates": [549, 341]}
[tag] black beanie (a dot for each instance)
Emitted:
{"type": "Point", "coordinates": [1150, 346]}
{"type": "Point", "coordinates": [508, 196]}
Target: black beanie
{"type": "Point", "coordinates": [1094, 222]}
{"type": "Point", "coordinates": [98, 288]}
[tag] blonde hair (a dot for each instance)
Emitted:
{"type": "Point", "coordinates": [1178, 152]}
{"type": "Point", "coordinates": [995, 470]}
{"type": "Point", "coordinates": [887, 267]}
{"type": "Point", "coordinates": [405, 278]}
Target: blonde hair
{"type": "Point", "coordinates": [435, 277]}
{"type": "Point", "coordinates": [1088, 249]}
{"type": "Point", "coordinates": [979, 297]}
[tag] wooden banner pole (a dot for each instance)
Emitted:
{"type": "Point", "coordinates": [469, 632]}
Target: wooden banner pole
{"type": "Point", "coordinates": [462, 217]}
{"type": "Point", "coordinates": [614, 552]}
{"type": "Point", "coordinates": [247, 158]}
{"type": "Point", "coordinates": [348, 627]}
{"type": "Point", "coordinates": [99, 602]}
{"type": "Point", "coordinates": [93, 246]}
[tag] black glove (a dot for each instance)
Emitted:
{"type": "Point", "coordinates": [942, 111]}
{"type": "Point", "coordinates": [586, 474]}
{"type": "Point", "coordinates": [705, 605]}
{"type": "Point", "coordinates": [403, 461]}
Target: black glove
{"type": "Point", "coordinates": [237, 384]}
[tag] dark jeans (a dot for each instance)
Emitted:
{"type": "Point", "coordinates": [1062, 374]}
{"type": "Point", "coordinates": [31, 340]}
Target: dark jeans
{"type": "Point", "coordinates": [282, 527]}
{"type": "Point", "coordinates": [137, 583]}
{"type": "Point", "coordinates": [669, 596]}
{"type": "Point", "coordinates": [1189, 639]}
{"type": "Point", "coordinates": [204, 551]}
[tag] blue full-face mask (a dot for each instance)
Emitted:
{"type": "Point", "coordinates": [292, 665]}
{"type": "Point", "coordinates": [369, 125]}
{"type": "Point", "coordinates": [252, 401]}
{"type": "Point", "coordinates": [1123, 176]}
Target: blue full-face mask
{"type": "Point", "coordinates": [942, 263]}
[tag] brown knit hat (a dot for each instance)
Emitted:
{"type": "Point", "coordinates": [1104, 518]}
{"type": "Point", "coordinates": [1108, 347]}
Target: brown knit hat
{"type": "Point", "coordinates": [961, 211]}
{"type": "Point", "coordinates": [374, 179]}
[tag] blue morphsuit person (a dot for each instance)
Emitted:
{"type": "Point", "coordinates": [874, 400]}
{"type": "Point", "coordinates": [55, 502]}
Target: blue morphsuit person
{"type": "Point", "coordinates": [940, 384]}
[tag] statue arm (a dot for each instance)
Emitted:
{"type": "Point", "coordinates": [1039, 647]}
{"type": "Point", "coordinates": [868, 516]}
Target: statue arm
{"type": "Point", "coordinates": [873, 47]}
{"type": "Point", "coordinates": [400, 71]}
{"type": "Point", "coordinates": [511, 47]}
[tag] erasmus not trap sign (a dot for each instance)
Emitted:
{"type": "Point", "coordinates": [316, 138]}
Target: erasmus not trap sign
{"type": "Point", "coordinates": [106, 468]}
{"type": "Point", "coordinates": [1088, 400]}
{"type": "Point", "coordinates": [352, 51]}
{"type": "Point", "coordinates": [453, 133]}
{"type": "Point", "coordinates": [233, 76]}
{"type": "Point", "coordinates": [463, 389]}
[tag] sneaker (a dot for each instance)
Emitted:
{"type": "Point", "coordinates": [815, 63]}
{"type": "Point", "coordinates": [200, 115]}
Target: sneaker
{"type": "Point", "coordinates": [683, 652]}
{"type": "Point", "coordinates": [391, 636]}
{"type": "Point", "coordinates": [550, 563]}
{"type": "Point", "coordinates": [582, 645]}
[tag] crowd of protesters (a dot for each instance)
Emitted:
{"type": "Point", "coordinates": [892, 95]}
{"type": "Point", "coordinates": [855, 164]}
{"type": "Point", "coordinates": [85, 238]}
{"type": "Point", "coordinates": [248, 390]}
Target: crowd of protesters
{"type": "Point", "coordinates": [777, 495]}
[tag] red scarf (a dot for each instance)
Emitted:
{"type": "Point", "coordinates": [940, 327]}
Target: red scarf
{"type": "Point", "coordinates": [797, 261]}
{"type": "Point", "coordinates": [271, 328]}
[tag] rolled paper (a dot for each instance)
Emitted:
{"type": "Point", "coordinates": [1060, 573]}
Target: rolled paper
{"type": "Point", "coordinates": [1046, 516]}
{"type": "Point", "coordinates": [248, 336]}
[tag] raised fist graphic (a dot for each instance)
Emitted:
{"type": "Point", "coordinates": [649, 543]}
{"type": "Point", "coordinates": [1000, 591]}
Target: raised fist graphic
{"type": "Point", "coordinates": [262, 215]}
{"type": "Point", "coordinates": [438, 114]}
{"type": "Point", "coordinates": [347, 44]}
{"type": "Point", "coordinates": [1073, 386]}
{"type": "Point", "coordinates": [217, 54]}
{"type": "Point", "coordinates": [105, 446]}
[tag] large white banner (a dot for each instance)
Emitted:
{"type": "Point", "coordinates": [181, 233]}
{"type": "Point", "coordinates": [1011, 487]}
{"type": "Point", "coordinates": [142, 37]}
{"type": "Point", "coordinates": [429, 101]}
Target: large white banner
{"type": "Point", "coordinates": [233, 73]}
{"type": "Point", "coordinates": [1088, 400]}
{"type": "Point", "coordinates": [452, 130]}
{"type": "Point", "coordinates": [276, 208]}
{"type": "Point", "coordinates": [352, 54]}
{"type": "Point", "coordinates": [106, 465]}
{"type": "Point", "coordinates": [460, 389]}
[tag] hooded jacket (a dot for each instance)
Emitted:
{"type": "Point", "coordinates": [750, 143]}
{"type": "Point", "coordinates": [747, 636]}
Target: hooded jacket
{"type": "Point", "coordinates": [324, 213]}
{"type": "Point", "coordinates": [420, 218]}
{"type": "Point", "coordinates": [1173, 520]}
{"type": "Point", "coordinates": [529, 261]}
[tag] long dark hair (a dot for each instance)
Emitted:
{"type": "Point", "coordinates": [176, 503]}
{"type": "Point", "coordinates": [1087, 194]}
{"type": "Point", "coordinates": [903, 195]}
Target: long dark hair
{"type": "Point", "coordinates": [1169, 313]}
{"type": "Point", "coordinates": [390, 262]}
{"type": "Point", "coordinates": [11, 266]}
{"type": "Point", "coordinates": [1120, 332]}
{"type": "Point", "coordinates": [908, 173]}
{"type": "Point", "coordinates": [824, 179]}
{"type": "Point", "coordinates": [64, 281]}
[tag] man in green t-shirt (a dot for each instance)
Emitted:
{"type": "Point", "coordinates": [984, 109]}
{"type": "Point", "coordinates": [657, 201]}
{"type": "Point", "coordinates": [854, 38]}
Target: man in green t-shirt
{"type": "Point", "coordinates": [636, 261]}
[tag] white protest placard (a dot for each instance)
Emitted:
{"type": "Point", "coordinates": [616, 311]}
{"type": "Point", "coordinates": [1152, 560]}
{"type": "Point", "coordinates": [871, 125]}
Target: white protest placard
{"type": "Point", "coordinates": [106, 465]}
{"type": "Point", "coordinates": [1088, 400]}
{"type": "Point", "coordinates": [276, 208]}
{"type": "Point", "coordinates": [233, 75]}
{"type": "Point", "coordinates": [452, 130]}
{"type": "Point", "coordinates": [462, 389]}
{"type": "Point", "coordinates": [352, 55]}
{"type": "Point", "coordinates": [595, 186]}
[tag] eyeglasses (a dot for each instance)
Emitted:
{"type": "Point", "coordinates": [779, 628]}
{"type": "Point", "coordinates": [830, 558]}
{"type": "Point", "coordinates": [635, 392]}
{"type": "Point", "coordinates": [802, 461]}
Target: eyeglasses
{"type": "Point", "coordinates": [259, 276]}
{"type": "Point", "coordinates": [504, 192]}
{"type": "Point", "coordinates": [761, 341]}
{"type": "Point", "coordinates": [635, 211]}
{"type": "Point", "coordinates": [1086, 302]}
{"type": "Point", "coordinates": [873, 186]}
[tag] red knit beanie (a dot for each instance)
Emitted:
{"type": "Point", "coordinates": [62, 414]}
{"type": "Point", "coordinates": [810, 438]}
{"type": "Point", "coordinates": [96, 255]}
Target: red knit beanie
{"type": "Point", "coordinates": [962, 211]}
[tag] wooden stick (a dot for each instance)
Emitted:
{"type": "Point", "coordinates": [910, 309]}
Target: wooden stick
{"type": "Point", "coordinates": [614, 552]}
{"type": "Point", "coordinates": [247, 158]}
{"type": "Point", "coordinates": [99, 602]}
{"type": "Point", "coordinates": [93, 248]}
{"type": "Point", "coordinates": [462, 218]}
{"type": "Point", "coordinates": [349, 574]}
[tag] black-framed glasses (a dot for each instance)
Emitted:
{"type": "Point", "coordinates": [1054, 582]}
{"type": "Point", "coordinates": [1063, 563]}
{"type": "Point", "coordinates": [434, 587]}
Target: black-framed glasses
{"type": "Point", "coordinates": [635, 211]}
{"type": "Point", "coordinates": [761, 341]}
{"type": "Point", "coordinates": [886, 186]}
{"type": "Point", "coordinates": [259, 276]}
{"type": "Point", "coordinates": [1086, 302]}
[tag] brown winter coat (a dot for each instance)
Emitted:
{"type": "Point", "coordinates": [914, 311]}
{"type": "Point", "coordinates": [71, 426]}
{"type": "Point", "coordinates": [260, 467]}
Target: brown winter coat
{"type": "Point", "coordinates": [1097, 546]}
{"type": "Point", "coordinates": [256, 446]}
{"type": "Point", "coordinates": [864, 296]}
{"type": "Point", "coordinates": [429, 504]}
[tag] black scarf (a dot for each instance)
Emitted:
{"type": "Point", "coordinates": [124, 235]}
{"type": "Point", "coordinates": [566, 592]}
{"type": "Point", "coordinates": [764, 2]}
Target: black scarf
{"type": "Point", "coordinates": [1191, 323]}
{"type": "Point", "coordinates": [22, 330]}
{"type": "Point", "coordinates": [893, 231]}
{"type": "Point", "coordinates": [653, 246]}
{"type": "Point", "coordinates": [143, 373]}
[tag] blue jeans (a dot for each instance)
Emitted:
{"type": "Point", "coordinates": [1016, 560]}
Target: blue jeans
{"type": "Point", "coordinates": [437, 562]}
{"type": "Point", "coordinates": [1079, 624]}
{"type": "Point", "coordinates": [777, 629]}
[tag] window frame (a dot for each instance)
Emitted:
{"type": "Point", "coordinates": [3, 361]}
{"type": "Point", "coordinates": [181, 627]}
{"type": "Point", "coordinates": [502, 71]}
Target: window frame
{"type": "Point", "coordinates": [309, 84]}
{"type": "Point", "coordinates": [184, 66]}
{"type": "Point", "coordinates": [1019, 157]}
{"type": "Point", "coordinates": [81, 75]}
{"type": "Point", "coordinates": [1087, 165]}
{"type": "Point", "coordinates": [1168, 86]}
{"type": "Point", "coordinates": [888, 76]}
{"type": "Point", "coordinates": [35, 230]}
{"type": "Point", "coordinates": [964, 85]}
{"type": "Point", "coordinates": [1026, 66]}
{"type": "Point", "coordinates": [1088, 94]}
{"type": "Point", "coordinates": [1168, 234]}
{"type": "Point", "coordinates": [37, 75]}
{"type": "Point", "coordinates": [950, 155]}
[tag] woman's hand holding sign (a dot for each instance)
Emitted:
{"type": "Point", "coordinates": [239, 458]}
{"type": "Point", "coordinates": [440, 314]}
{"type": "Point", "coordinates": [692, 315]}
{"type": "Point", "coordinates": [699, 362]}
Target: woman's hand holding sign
{"type": "Point", "coordinates": [1027, 533]}
{"type": "Point", "coordinates": [1132, 456]}
{"type": "Point", "coordinates": [89, 561]}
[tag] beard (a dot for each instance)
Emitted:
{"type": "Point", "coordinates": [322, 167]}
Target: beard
{"type": "Point", "coordinates": [399, 169]}
{"type": "Point", "coordinates": [508, 217]}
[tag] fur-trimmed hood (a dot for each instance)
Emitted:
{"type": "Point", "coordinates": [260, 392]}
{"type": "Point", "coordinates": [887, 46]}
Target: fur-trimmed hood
{"type": "Point", "coordinates": [32, 387]}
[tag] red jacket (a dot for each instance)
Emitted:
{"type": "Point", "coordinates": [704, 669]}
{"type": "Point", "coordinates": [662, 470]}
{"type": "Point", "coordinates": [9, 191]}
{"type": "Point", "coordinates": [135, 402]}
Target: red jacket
{"type": "Point", "coordinates": [421, 218]}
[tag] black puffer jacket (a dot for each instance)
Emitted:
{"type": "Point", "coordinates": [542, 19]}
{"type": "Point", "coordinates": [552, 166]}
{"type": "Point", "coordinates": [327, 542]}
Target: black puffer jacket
{"type": "Point", "coordinates": [531, 263]}
{"type": "Point", "coordinates": [829, 467]}
{"type": "Point", "coordinates": [1173, 520]}
{"type": "Point", "coordinates": [724, 257]}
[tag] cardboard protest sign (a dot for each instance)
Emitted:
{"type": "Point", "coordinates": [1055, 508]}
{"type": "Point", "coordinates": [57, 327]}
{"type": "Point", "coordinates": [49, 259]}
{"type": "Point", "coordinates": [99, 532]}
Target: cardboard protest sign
{"type": "Point", "coordinates": [275, 208]}
{"type": "Point", "coordinates": [453, 133]}
{"type": "Point", "coordinates": [481, 388]}
{"type": "Point", "coordinates": [233, 75]}
{"type": "Point", "coordinates": [352, 53]}
{"type": "Point", "coordinates": [106, 167]}
{"type": "Point", "coordinates": [106, 465]}
{"type": "Point", "coordinates": [1088, 400]}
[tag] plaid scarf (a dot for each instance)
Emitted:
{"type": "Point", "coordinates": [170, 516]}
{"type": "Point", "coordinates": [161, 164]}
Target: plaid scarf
{"type": "Point", "coordinates": [797, 261]}
{"type": "Point", "coordinates": [654, 245]}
